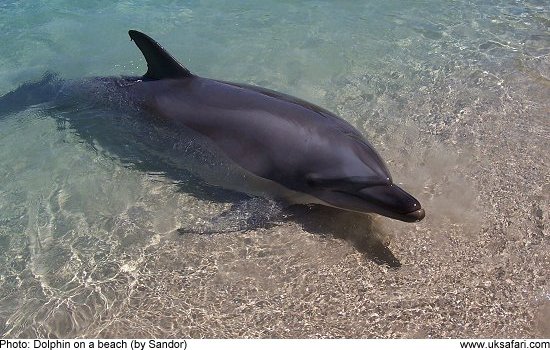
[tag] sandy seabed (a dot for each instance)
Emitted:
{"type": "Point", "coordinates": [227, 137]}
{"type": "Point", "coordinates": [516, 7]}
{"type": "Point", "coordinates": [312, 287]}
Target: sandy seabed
{"type": "Point", "coordinates": [471, 142]}
{"type": "Point", "coordinates": [477, 266]}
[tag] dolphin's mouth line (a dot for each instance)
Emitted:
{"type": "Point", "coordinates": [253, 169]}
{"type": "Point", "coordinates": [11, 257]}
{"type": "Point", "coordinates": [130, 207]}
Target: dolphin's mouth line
{"type": "Point", "coordinates": [416, 215]}
{"type": "Point", "coordinates": [371, 200]}
{"type": "Point", "coordinates": [410, 216]}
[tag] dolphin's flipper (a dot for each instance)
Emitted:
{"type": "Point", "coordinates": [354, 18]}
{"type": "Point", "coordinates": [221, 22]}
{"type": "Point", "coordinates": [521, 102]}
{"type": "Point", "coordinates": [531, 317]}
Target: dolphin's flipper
{"type": "Point", "coordinates": [160, 64]}
{"type": "Point", "coordinates": [245, 215]}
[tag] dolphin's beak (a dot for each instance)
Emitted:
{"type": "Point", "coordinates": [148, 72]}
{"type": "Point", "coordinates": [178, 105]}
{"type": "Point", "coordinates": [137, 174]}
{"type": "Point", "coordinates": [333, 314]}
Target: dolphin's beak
{"type": "Point", "coordinates": [387, 200]}
{"type": "Point", "coordinates": [392, 201]}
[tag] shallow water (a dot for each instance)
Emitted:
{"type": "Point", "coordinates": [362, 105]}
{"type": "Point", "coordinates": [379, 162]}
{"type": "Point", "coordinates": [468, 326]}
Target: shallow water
{"type": "Point", "coordinates": [454, 96]}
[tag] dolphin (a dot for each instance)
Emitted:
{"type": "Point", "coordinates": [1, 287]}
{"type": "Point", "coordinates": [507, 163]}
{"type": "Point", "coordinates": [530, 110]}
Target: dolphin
{"type": "Point", "coordinates": [285, 146]}
{"type": "Point", "coordinates": [293, 143]}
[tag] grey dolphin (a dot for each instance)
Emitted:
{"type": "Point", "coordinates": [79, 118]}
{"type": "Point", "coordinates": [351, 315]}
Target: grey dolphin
{"type": "Point", "coordinates": [293, 143]}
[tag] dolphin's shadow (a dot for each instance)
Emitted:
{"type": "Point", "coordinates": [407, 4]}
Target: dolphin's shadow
{"type": "Point", "coordinates": [108, 123]}
{"type": "Point", "coordinates": [359, 230]}
{"type": "Point", "coordinates": [144, 146]}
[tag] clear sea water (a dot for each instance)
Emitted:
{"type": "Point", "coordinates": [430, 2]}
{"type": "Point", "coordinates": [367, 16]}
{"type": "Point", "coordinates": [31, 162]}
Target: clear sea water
{"type": "Point", "coordinates": [454, 94]}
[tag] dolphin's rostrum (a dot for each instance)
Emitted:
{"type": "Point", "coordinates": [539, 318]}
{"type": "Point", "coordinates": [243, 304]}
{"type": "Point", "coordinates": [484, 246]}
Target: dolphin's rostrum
{"type": "Point", "coordinates": [288, 141]}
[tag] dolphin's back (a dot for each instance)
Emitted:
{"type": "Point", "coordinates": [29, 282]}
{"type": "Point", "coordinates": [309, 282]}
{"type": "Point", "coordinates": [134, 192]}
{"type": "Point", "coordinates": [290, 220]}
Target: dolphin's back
{"type": "Point", "coordinates": [29, 94]}
{"type": "Point", "coordinates": [331, 119]}
{"type": "Point", "coordinates": [266, 132]}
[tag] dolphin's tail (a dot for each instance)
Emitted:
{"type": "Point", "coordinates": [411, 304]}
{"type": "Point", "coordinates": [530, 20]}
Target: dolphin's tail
{"type": "Point", "coordinates": [30, 94]}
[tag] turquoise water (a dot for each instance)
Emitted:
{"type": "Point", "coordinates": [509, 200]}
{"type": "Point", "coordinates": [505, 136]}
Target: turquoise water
{"type": "Point", "coordinates": [453, 94]}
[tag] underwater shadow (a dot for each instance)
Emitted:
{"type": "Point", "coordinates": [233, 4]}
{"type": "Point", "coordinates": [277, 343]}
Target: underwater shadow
{"type": "Point", "coordinates": [359, 230]}
{"type": "Point", "coordinates": [107, 122]}
{"type": "Point", "coordinates": [255, 213]}
{"type": "Point", "coordinates": [140, 145]}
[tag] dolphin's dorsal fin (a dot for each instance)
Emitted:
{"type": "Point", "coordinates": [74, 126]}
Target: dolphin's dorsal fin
{"type": "Point", "coordinates": [160, 64]}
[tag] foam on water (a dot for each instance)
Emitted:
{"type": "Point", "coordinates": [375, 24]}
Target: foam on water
{"type": "Point", "coordinates": [453, 95]}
